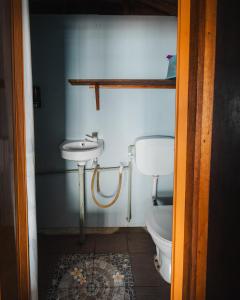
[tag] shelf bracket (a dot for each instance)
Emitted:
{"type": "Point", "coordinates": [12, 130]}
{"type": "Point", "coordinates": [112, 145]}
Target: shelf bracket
{"type": "Point", "coordinates": [97, 95]}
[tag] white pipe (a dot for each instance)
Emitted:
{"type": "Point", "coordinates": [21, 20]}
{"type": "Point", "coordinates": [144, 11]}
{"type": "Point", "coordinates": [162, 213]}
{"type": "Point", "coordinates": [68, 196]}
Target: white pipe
{"type": "Point", "coordinates": [130, 159]}
{"type": "Point", "coordinates": [81, 183]}
{"type": "Point", "coordinates": [76, 170]}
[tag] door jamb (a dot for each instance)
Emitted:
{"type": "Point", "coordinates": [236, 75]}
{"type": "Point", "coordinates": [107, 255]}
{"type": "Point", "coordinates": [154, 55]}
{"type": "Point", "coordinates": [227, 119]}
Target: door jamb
{"type": "Point", "coordinates": [19, 143]}
{"type": "Point", "coordinates": [194, 106]}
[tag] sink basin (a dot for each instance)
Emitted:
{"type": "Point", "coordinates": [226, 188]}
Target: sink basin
{"type": "Point", "coordinates": [81, 150]}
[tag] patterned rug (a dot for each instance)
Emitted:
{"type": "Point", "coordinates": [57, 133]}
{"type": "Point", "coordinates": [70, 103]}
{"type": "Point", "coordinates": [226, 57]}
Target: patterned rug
{"type": "Point", "coordinates": [94, 276]}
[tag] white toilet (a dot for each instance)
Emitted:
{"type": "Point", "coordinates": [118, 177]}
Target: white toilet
{"type": "Point", "coordinates": [155, 157]}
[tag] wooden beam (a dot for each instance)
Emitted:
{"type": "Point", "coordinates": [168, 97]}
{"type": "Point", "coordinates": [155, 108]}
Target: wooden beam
{"type": "Point", "coordinates": [161, 6]}
{"type": "Point", "coordinates": [100, 7]}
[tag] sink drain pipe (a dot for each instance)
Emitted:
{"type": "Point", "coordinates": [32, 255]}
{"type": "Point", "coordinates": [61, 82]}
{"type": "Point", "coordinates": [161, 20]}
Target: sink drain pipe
{"type": "Point", "coordinates": [81, 183]}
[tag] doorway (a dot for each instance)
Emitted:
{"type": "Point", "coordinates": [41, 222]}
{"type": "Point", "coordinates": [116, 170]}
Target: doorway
{"type": "Point", "coordinates": [67, 51]}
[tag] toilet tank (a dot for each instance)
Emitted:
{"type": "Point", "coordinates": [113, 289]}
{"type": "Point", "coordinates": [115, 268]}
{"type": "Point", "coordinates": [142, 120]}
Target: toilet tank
{"type": "Point", "coordinates": [155, 155]}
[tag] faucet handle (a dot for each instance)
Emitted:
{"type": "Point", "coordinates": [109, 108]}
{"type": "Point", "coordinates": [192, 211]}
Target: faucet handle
{"type": "Point", "coordinates": [92, 138]}
{"type": "Point", "coordinates": [95, 134]}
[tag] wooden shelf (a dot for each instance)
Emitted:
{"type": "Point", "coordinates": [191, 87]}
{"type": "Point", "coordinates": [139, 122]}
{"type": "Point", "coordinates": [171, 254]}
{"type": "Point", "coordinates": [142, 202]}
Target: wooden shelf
{"type": "Point", "coordinates": [127, 83]}
{"type": "Point", "coordinates": [124, 84]}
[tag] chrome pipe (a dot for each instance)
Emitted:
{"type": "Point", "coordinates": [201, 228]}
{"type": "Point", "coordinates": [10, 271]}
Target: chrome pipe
{"type": "Point", "coordinates": [58, 172]}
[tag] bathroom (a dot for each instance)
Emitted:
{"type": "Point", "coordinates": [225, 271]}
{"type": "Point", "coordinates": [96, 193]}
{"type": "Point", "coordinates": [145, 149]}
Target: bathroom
{"type": "Point", "coordinates": [104, 46]}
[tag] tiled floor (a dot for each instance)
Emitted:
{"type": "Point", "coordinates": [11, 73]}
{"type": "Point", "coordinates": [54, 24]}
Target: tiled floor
{"type": "Point", "coordinates": [137, 242]}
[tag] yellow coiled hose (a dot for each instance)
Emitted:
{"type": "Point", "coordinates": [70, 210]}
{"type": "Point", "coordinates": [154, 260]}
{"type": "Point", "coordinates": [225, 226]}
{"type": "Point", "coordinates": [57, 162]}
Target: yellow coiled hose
{"type": "Point", "coordinates": [115, 197]}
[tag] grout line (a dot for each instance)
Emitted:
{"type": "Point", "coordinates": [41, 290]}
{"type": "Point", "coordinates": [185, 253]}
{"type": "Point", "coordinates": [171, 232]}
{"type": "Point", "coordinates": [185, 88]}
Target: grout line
{"type": "Point", "coordinates": [128, 249]}
{"type": "Point", "coordinates": [94, 245]}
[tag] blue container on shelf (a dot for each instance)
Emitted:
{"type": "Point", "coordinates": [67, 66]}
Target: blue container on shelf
{"type": "Point", "coordinates": [172, 60]}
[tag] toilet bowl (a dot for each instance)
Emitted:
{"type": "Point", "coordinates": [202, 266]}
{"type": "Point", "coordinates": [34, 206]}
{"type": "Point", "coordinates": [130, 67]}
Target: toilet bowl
{"type": "Point", "coordinates": [159, 225]}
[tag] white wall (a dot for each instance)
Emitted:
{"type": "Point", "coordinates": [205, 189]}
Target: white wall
{"type": "Point", "coordinates": [98, 47]}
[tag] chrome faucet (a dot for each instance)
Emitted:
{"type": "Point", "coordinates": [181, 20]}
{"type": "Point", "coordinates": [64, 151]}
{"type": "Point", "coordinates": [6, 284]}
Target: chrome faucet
{"type": "Point", "coordinates": [93, 137]}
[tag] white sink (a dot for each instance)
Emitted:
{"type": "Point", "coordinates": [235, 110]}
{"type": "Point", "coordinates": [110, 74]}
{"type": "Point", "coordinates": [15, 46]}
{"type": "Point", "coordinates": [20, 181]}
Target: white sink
{"type": "Point", "coordinates": [81, 150]}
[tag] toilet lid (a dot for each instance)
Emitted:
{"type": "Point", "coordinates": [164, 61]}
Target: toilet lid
{"type": "Point", "coordinates": [160, 219]}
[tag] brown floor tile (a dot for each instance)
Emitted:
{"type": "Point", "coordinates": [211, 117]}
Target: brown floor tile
{"type": "Point", "coordinates": [144, 270]}
{"type": "Point", "coordinates": [140, 242]}
{"type": "Point", "coordinates": [66, 244]}
{"type": "Point", "coordinates": [148, 283]}
{"type": "Point", "coordinates": [153, 293]}
{"type": "Point", "coordinates": [111, 243]}
{"type": "Point", "coordinates": [131, 229]}
{"type": "Point", "coordinates": [46, 265]}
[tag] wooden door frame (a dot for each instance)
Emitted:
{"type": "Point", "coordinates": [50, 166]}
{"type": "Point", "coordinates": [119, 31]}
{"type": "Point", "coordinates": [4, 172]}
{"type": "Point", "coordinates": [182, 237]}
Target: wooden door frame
{"type": "Point", "coordinates": [194, 103]}
{"type": "Point", "coordinates": [19, 144]}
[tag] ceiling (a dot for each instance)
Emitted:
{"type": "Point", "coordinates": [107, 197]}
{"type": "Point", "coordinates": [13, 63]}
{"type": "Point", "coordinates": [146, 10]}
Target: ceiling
{"type": "Point", "coordinates": [105, 7]}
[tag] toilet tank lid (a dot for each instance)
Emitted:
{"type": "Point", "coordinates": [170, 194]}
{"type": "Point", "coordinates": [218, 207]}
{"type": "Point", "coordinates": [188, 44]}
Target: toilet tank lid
{"type": "Point", "coordinates": [154, 155]}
